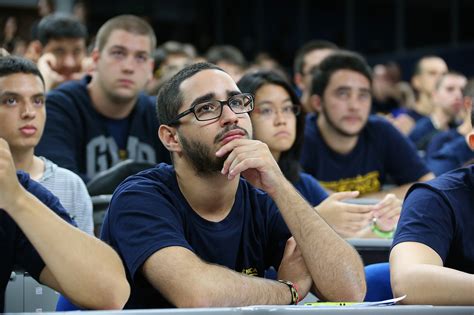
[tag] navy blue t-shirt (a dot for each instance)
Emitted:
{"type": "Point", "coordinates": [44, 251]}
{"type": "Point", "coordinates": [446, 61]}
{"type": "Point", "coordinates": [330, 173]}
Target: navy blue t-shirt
{"type": "Point", "coordinates": [78, 138]}
{"type": "Point", "coordinates": [452, 155]}
{"type": "Point", "coordinates": [148, 212]}
{"type": "Point", "coordinates": [381, 152]}
{"type": "Point", "coordinates": [422, 133]}
{"type": "Point", "coordinates": [440, 139]}
{"type": "Point", "coordinates": [440, 214]}
{"type": "Point", "coordinates": [310, 189]}
{"type": "Point", "coordinates": [15, 248]}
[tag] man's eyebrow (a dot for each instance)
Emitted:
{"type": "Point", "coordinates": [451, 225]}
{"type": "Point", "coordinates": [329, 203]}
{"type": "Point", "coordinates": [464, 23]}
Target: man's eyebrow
{"type": "Point", "coordinates": [212, 96]}
{"type": "Point", "coordinates": [202, 99]}
{"type": "Point", "coordinates": [125, 48]}
{"type": "Point", "coordinates": [10, 93]}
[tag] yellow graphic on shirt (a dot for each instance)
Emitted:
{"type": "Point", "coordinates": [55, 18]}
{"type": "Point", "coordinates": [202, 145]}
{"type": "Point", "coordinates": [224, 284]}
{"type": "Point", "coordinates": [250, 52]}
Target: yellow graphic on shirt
{"type": "Point", "coordinates": [250, 271]}
{"type": "Point", "coordinates": [123, 154]}
{"type": "Point", "coordinates": [364, 183]}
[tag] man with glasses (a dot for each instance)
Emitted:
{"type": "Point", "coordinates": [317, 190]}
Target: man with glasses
{"type": "Point", "coordinates": [103, 119]}
{"type": "Point", "coordinates": [197, 234]}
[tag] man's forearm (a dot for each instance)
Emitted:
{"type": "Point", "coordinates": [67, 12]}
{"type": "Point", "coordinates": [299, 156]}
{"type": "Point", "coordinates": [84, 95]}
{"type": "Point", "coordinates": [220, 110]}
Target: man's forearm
{"type": "Point", "coordinates": [195, 283]}
{"type": "Point", "coordinates": [83, 267]}
{"type": "Point", "coordinates": [335, 266]}
{"type": "Point", "coordinates": [435, 285]}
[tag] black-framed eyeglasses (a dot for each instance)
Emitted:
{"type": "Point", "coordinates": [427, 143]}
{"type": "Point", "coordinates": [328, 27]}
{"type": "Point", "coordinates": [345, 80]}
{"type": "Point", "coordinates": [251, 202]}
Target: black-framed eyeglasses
{"type": "Point", "coordinates": [212, 109]}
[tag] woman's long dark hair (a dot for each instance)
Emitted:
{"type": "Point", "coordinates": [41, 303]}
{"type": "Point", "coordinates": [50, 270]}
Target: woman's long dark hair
{"type": "Point", "coordinates": [289, 161]}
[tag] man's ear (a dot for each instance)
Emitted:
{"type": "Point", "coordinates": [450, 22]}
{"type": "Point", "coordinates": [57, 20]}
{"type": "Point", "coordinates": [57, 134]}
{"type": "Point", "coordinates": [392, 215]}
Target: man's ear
{"type": "Point", "coordinates": [315, 102]}
{"type": "Point", "coordinates": [415, 82]}
{"type": "Point", "coordinates": [152, 65]}
{"type": "Point", "coordinates": [95, 55]}
{"type": "Point", "coordinates": [169, 137]}
{"type": "Point", "coordinates": [470, 140]}
{"type": "Point", "coordinates": [298, 78]}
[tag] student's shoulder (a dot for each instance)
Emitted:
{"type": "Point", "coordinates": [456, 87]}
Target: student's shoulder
{"type": "Point", "coordinates": [379, 127]}
{"type": "Point", "coordinates": [69, 88]}
{"type": "Point", "coordinates": [458, 179]}
{"type": "Point", "coordinates": [158, 178]}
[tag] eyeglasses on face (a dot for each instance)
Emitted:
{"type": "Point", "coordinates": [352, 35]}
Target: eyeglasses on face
{"type": "Point", "coordinates": [212, 109]}
{"type": "Point", "coordinates": [269, 112]}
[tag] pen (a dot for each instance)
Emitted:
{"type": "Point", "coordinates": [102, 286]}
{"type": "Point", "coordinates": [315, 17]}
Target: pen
{"type": "Point", "coordinates": [331, 303]}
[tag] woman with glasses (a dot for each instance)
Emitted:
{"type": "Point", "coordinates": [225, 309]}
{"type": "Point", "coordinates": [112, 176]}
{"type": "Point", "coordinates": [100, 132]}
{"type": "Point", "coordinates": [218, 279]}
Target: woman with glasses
{"type": "Point", "coordinates": [278, 121]}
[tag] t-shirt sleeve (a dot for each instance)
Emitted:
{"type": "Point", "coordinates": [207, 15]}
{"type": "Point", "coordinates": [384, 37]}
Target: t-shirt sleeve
{"type": "Point", "coordinates": [27, 256]}
{"type": "Point", "coordinates": [311, 190]}
{"type": "Point", "coordinates": [426, 218]}
{"type": "Point", "coordinates": [60, 141]}
{"type": "Point", "coordinates": [402, 160]}
{"type": "Point", "coordinates": [142, 220]}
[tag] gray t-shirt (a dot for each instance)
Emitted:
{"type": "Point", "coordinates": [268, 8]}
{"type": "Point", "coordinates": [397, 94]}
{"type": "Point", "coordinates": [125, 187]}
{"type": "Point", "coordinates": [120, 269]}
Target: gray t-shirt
{"type": "Point", "coordinates": [72, 193]}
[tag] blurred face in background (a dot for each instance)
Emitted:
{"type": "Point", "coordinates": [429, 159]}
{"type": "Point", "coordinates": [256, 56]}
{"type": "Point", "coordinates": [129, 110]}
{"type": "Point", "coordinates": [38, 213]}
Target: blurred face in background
{"type": "Point", "coordinates": [449, 94]}
{"type": "Point", "coordinates": [345, 104]}
{"type": "Point", "coordinates": [124, 66]}
{"type": "Point", "coordinates": [274, 118]}
{"type": "Point", "coordinates": [68, 53]}
{"type": "Point", "coordinates": [431, 70]}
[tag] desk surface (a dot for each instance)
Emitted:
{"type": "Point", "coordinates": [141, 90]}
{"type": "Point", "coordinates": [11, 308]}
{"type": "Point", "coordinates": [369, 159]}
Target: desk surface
{"type": "Point", "coordinates": [282, 310]}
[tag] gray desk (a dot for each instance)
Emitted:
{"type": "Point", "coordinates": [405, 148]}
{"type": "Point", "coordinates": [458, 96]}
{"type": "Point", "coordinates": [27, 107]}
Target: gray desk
{"type": "Point", "coordinates": [284, 310]}
{"type": "Point", "coordinates": [372, 250]}
{"type": "Point", "coordinates": [24, 294]}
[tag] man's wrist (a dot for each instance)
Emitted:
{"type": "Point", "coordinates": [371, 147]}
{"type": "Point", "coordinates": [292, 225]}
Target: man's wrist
{"type": "Point", "coordinates": [381, 233]}
{"type": "Point", "coordinates": [295, 297]}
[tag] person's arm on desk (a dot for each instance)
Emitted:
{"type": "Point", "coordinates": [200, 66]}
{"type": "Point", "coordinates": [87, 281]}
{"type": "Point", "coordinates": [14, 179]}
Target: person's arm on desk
{"type": "Point", "coordinates": [335, 267]}
{"type": "Point", "coordinates": [210, 285]}
{"type": "Point", "coordinates": [417, 271]}
{"type": "Point", "coordinates": [78, 265]}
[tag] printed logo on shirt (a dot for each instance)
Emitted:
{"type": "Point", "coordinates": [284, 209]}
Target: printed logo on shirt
{"type": "Point", "coordinates": [102, 153]}
{"type": "Point", "coordinates": [250, 271]}
{"type": "Point", "coordinates": [367, 183]}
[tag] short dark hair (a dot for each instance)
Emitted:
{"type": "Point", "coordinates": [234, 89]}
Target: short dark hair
{"type": "Point", "coordinates": [444, 75]}
{"type": "Point", "coordinates": [342, 60]}
{"type": "Point", "coordinates": [307, 48]}
{"type": "Point", "coordinates": [289, 160]}
{"type": "Point", "coordinates": [170, 98]}
{"type": "Point", "coordinates": [417, 69]}
{"type": "Point", "coordinates": [12, 64]}
{"type": "Point", "coordinates": [226, 53]}
{"type": "Point", "coordinates": [129, 23]}
{"type": "Point", "coordinates": [59, 26]}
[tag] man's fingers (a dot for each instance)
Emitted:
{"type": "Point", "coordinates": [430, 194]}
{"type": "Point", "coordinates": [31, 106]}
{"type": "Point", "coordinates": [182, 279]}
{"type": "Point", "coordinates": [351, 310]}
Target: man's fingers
{"type": "Point", "coordinates": [344, 195]}
{"type": "Point", "coordinates": [4, 144]}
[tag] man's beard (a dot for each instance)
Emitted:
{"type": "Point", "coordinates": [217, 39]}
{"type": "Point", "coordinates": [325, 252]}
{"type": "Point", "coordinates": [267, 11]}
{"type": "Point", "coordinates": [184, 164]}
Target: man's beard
{"type": "Point", "coordinates": [335, 127]}
{"type": "Point", "coordinates": [201, 157]}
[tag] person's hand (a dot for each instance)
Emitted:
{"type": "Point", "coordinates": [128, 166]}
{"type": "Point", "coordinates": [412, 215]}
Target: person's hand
{"type": "Point", "coordinates": [293, 268]}
{"type": "Point", "coordinates": [387, 212]}
{"type": "Point", "coordinates": [47, 64]}
{"type": "Point", "coordinates": [345, 218]}
{"type": "Point", "coordinates": [10, 188]}
{"type": "Point", "coordinates": [253, 160]}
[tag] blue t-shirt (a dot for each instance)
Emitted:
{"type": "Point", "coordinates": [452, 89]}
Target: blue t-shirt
{"type": "Point", "coordinates": [440, 214]}
{"type": "Point", "coordinates": [15, 248]}
{"type": "Point", "coordinates": [148, 212]}
{"type": "Point", "coordinates": [381, 152]}
{"type": "Point", "coordinates": [414, 114]}
{"type": "Point", "coordinates": [452, 155]}
{"type": "Point", "coordinates": [422, 133]}
{"type": "Point", "coordinates": [440, 139]}
{"type": "Point", "coordinates": [77, 137]}
{"type": "Point", "coordinates": [310, 189]}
